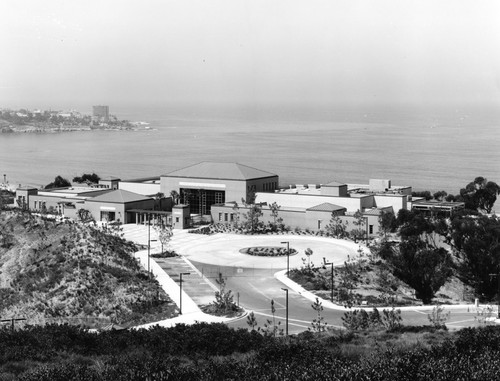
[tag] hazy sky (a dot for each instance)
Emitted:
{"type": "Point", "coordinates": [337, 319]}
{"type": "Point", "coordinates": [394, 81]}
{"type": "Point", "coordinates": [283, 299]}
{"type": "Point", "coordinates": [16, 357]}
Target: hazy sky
{"type": "Point", "coordinates": [108, 51]}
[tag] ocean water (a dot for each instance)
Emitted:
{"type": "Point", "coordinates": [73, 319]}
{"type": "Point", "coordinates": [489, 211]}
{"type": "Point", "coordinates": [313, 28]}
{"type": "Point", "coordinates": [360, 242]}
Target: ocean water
{"type": "Point", "coordinates": [430, 148]}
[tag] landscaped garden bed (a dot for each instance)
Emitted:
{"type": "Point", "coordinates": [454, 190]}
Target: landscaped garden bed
{"type": "Point", "coordinates": [368, 283]}
{"type": "Point", "coordinates": [165, 254]}
{"type": "Point", "coordinates": [267, 251]}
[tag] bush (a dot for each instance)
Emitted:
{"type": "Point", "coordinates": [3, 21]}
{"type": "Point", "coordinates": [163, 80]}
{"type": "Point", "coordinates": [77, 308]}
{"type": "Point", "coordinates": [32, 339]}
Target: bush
{"type": "Point", "coordinates": [361, 320]}
{"type": "Point", "coordinates": [268, 251]}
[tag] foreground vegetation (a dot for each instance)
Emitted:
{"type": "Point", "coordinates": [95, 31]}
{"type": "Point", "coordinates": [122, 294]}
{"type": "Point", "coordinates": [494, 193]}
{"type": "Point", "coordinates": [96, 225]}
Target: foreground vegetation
{"type": "Point", "coordinates": [215, 352]}
{"type": "Point", "coordinates": [68, 271]}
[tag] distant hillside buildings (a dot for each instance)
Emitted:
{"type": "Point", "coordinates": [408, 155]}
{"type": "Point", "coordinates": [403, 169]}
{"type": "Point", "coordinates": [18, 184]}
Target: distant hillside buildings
{"type": "Point", "coordinates": [100, 114]}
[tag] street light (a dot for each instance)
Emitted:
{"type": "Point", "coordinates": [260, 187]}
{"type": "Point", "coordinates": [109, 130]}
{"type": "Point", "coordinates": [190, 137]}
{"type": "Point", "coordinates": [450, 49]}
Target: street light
{"type": "Point", "coordinates": [329, 263]}
{"type": "Point", "coordinates": [149, 249]}
{"type": "Point", "coordinates": [149, 243]}
{"type": "Point", "coordinates": [180, 295]}
{"type": "Point", "coordinates": [287, 256]}
{"type": "Point", "coordinates": [286, 290]}
{"type": "Point", "coordinates": [498, 277]}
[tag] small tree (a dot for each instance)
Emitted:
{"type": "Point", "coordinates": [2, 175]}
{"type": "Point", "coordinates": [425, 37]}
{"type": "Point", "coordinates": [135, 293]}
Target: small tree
{"type": "Point", "coordinates": [175, 196]}
{"type": "Point", "coordinates": [318, 324]}
{"type": "Point", "coordinates": [277, 221]}
{"type": "Point", "coordinates": [165, 234]}
{"type": "Point", "coordinates": [391, 319]}
{"type": "Point", "coordinates": [308, 252]}
{"type": "Point", "coordinates": [236, 213]}
{"type": "Point", "coordinates": [84, 215]}
{"type": "Point", "coordinates": [360, 224]}
{"type": "Point", "coordinates": [224, 300]}
{"type": "Point", "coordinates": [270, 327]}
{"type": "Point", "coordinates": [387, 284]}
{"type": "Point", "coordinates": [337, 228]}
{"type": "Point", "coordinates": [349, 279]}
{"type": "Point", "coordinates": [158, 197]}
{"type": "Point", "coordinates": [387, 223]}
{"type": "Point", "coordinates": [251, 320]}
{"type": "Point", "coordinates": [438, 317]}
{"type": "Point", "coordinates": [252, 217]}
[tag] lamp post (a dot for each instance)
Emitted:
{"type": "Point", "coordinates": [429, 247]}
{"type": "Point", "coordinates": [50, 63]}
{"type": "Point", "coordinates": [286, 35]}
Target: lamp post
{"type": "Point", "coordinates": [498, 277]}
{"type": "Point", "coordinates": [286, 329]}
{"type": "Point", "coordinates": [149, 249]}
{"type": "Point", "coordinates": [287, 256]}
{"type": "Point", "coordinates": [149, 244]}
{"type": "Point", "coordinates": [180, 294]}
{"type": "Point", "coordinates": [329, 263]}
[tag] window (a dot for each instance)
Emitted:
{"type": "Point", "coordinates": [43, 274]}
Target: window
{"type": "Point", "coordinates": [225, 217]}
{"type": "Point", "coordinates": [319, 224]}
{"type": "Point", "coordinates": [176, 219]}
{"type": "Point", "coordinates": [34, 205]}
{"type": "Point", "coordinates": [231, 216]}
{"type": "Point", "coordinates": [371, 229]}
{"type": "Point", "coordinates": [219, 199]}
{"type": "Point", "coordinates": [220, 216]}
{"type": "Point", "coordinates": [201, 200]}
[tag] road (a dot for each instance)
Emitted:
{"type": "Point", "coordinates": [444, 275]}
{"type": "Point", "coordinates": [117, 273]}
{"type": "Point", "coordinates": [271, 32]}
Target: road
{"type": "Point", "coordinates": [252, 278]}
{"type": "Point", "coordinates": [255, 288]}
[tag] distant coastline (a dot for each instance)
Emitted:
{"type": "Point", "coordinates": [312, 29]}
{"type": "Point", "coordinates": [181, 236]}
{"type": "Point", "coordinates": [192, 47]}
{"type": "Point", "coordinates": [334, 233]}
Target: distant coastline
{"type": "Point", "coordinates": [60, 128]}
{"type": "Point", "coordinates": [37, 121]}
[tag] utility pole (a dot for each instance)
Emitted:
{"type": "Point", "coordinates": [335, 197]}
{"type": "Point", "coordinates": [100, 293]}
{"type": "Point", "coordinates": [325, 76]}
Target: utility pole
{"type": "Point", "coordinates": [13, 320]}
{"type": "Point", "coordinates": [149, 242]}
{"type": "Point", "coordinates": [498, 292]}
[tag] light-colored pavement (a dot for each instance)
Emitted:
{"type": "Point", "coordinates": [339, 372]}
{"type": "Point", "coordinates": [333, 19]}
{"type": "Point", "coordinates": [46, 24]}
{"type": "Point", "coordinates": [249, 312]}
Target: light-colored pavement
{"type": "Point", "coordinates": [224, 249]}
{"type": "Point", "coordinates": [258, 279]}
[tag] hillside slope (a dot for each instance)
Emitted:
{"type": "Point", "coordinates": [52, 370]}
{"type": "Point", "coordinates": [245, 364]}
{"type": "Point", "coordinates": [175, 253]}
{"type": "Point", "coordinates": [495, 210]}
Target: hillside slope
{"type": "Point", "coordinates": [66, 271]}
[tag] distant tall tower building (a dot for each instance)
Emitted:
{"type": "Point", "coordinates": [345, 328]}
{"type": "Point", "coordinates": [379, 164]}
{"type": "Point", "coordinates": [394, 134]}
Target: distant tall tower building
{"type": "Point", "coordinates": [101, 113]}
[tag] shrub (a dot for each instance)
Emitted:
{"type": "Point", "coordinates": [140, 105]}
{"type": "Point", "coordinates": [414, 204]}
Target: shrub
{"type": "Point", "coordinates": [268, 251]}
{"type": "Point", "coordinates": [360, 319]}
{"type": "Point", "coordinates": [391, 319]}
{"type": "Point", "coordinates": [438, 317]}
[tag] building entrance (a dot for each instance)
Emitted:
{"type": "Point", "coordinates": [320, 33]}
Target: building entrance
{"type": "Point", "coordinates": [201, 200]}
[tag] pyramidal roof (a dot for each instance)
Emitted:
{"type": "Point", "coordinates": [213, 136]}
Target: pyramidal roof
{"type": "Point", "coordinates": [120, 196]}
{"type": "Point", "coordinates": [215, 170]}
{"type": "Point", "coordinates": [326, 207]}
{"type": "Point", "coordinates": [334, 184]}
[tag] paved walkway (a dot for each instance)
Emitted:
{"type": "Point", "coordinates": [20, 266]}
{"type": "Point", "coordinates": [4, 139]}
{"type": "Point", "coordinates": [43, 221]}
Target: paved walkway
{"type": "Point", "coordinates": [196, 290]}
{"type": "Point", "coordinates": [199, 289]}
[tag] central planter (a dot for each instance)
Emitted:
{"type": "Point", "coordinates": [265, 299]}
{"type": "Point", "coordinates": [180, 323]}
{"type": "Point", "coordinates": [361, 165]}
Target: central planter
{"type": "Point", "coordinates": [267, 251]}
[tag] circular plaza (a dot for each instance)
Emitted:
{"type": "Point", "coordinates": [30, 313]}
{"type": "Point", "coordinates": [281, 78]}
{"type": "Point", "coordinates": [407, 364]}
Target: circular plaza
{"type": "Point", "coordinates": [225, 249]}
